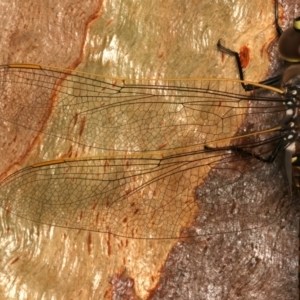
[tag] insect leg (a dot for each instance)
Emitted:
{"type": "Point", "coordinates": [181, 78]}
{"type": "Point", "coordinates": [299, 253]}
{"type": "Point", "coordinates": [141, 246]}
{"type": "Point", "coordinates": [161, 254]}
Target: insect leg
{"type": "Point", "coordinates": [270, 81]}
{"type": "Point", "coordinates": [247, 87]}
{"type": "Point", "coordinates": [236, 149]}
{"type": "Point", "coordinates": [277, 26]}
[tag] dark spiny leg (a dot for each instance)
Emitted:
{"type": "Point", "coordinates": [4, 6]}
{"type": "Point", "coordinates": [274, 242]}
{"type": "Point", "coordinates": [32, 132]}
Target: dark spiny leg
{"type": "Point", "coordinates": [247, 87]}
{"type": "Point", "coordinates": [277, 26]}
{"type": "Point", "coordinates": [269, 159]}
{"type": "Point", "coordinates": [270, 81]}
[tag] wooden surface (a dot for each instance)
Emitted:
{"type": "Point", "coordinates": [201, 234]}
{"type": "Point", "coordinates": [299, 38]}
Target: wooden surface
{"type": "Point", "coordinates": [144, 39]}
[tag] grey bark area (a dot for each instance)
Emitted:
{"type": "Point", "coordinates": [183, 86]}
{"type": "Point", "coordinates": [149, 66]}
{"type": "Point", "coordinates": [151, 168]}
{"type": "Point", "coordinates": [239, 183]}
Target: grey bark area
{"type": "Point", "coordinates": [252, 264]}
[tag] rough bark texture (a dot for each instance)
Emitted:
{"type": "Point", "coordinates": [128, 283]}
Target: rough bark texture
{"type": "Point", "coordinates": [152, 39]}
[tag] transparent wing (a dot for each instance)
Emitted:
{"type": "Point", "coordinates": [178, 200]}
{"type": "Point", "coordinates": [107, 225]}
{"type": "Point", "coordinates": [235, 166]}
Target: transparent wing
{"type": "Point", "coordinates": [146, 184]}
{"type": "Point", "coordinates": [122, 115]}
{"type": "Point", "coordinates": [144, 197]}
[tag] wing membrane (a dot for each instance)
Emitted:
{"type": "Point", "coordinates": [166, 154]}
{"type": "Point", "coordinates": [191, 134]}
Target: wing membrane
{"type": "Point", "coordinates": [115, 114]}
{"type": "Point", "coordinates": [150, 136]}
{"type": "Point", "coordinates": [134, 197]}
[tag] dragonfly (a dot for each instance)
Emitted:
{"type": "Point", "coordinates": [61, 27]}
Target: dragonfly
{"type": "Point", "coordinates": [166, 150]}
